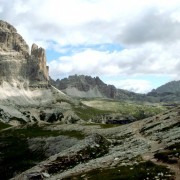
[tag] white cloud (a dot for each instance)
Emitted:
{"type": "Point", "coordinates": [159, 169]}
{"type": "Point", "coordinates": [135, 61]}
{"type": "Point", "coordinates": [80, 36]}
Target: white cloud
{"type": "Point", "coordinates": [139, 86]}
{"type": "Point", "coordinates": [148, 31]}
{"type": "Point", "coordinates": [149, 59]}
{"type": "Point", "coordinates": [83, 21]}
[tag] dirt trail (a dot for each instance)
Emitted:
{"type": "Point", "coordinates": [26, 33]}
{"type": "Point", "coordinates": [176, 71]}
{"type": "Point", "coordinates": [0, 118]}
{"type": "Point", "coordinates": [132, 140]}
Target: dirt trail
{"type": "Point", "coordinates": [155, 145]}
{"type": "Point", "coordinates": [173, 167]}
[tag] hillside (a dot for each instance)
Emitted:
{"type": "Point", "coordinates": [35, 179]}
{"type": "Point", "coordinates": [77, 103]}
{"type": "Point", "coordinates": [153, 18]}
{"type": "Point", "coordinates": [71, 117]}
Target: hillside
{"type": "Point", "coordinates": [170, 87]}
{"type": "Point", "coordinates": [169, 92]}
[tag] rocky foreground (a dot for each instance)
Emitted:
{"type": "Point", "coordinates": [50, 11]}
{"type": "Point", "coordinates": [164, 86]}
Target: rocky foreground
{"type": "Point", "coordinates": [105, 148]}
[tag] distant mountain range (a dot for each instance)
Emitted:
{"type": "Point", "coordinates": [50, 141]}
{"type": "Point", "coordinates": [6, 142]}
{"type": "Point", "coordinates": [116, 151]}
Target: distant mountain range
{"type": "Point", "coordinates": [91, 87]}
{"type": "Point", "coordinates": [82, 86]}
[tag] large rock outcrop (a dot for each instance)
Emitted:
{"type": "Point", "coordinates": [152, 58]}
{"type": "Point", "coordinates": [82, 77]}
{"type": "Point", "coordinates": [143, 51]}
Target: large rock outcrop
{"type": "Point", "coordinates": [16, 63]}
{"type": "Point", "coordinates": [38, 71]}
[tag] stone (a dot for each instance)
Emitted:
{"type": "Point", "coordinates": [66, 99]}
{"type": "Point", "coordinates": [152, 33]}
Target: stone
{"type": "Point", "coordinates": [116, 159]}
{"type": "Point", "coordinates": [34, 176]}
{"type": "Point", "coordinates": [51, 116]}
{"type": "Point", "coordinates": [46, 175]}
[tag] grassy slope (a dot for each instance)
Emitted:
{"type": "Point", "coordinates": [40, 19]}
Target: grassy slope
{"type": "Point", "coordinates": [36, 131]}
{"type": "Point", "coordinates": [3, 125]}
{"type": "Point", "coordinates": [141, 171]}
{"type": "Point", "coordinates": [86, 112]}
{"type": "Point", "coordinates": [139, 111]}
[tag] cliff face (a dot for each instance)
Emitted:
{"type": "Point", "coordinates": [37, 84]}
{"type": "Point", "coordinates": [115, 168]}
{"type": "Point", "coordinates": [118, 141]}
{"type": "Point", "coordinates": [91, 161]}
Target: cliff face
{"type": "Point", "coordinates": [37, 69]}
{"type": "Point", "coordinates": [16, 63]}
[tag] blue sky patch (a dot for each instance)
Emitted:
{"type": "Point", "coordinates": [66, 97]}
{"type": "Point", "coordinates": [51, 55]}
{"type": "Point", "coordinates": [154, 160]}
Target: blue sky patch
{"type": "Point", "coordinates": [53, 54]}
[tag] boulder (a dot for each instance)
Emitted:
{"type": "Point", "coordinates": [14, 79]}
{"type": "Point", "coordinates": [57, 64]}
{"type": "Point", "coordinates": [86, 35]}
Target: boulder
{"type": "Point", "coordinates": [51, 116]}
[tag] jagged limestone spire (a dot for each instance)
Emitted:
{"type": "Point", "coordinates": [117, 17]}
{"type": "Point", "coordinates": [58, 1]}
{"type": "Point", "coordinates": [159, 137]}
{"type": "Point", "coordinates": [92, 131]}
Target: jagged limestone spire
{"type": "Point", "coordinates": [16, 64]}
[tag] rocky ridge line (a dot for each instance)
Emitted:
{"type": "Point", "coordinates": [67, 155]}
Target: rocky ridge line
{"type": "Point", "coordinates": [89, 87]}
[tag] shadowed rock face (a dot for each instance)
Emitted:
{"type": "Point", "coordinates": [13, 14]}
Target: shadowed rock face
{"type": "Point", "coordinates": [16, 64]}
{"type": "Point", "coordinates": [38, 71]}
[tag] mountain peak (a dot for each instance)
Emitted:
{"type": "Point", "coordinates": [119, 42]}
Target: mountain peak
{"type": "Point", "coordinates": [7, 26]}
{"type": "Point", "coordinates": [10, 40]}
{"type": "Point", "coordinates": [16, 64]}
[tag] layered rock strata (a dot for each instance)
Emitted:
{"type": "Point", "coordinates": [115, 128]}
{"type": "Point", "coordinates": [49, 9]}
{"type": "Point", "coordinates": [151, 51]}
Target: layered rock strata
{"type": "Point", "coordinates": [16, 63]}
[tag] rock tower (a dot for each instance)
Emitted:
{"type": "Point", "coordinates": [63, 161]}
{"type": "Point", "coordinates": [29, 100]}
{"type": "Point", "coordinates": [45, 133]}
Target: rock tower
{"type": "Point", "coordinates": [17, 65]}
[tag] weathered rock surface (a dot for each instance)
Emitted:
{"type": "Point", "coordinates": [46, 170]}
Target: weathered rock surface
{"type": "Point", "coordinates": [38, 71]}
{"type": "Point", "coordinates": [10, 40]}
{"type": "Point", "coordinates": [51, 116]}
{"type": "Point", "coordinates": [93, 146]}
{"type": "Point", "coordinates": [16, 63]}
{"type": "Point", "coordinates": [51, 145]}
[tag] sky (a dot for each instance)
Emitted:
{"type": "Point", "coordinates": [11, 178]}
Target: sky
{"type": "Point", "coordinates": [132, 44]}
